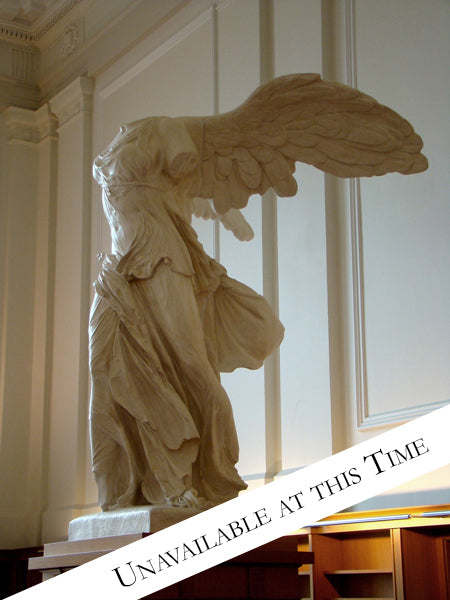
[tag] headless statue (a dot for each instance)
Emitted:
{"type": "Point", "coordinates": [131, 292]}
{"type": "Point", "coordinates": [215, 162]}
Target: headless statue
{"type": "Point", "coordinates": [166, 318]}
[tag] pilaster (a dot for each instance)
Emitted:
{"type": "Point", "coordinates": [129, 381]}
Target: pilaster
{"type": "Point", "coordinates": [73, 100]}
{"type": "Point", "coordinates": [68, 440]}
{"type": "Point", "coordinates": [24, 252]}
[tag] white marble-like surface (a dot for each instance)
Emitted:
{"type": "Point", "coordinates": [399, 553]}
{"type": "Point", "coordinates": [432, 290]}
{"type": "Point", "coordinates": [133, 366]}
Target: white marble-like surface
{"type": "Point", "coordinates": [135, 519]}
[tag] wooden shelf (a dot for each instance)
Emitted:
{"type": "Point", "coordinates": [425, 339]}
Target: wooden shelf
{"type": "Point", "coordinates": [393, 559]}
{"type": "Point", "coordinates": [403, 556]}
{"type": "Point", "coordinates": [358, 572]}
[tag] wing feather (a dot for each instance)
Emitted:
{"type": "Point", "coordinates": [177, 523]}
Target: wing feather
{"type": "Point", "coordinates": [249, 168]}
{"type": "Point", "coordinates": [299, 118]}
{"type": "Point", "coordinates": [279, 168]}
{"type": "Point", "coordinates": [221, 196]}
{"type": "Point", "coordinates": [224, 166]}
{"type": "Point", "coordinates": [238, 193]}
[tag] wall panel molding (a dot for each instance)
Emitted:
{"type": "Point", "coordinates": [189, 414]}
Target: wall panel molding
{"type": "Point", "coordinates": [272, 380]}
{"type": "Point", "coordinates": [357, 255]}
{"type": "Point", "coordinates": [366, 419]}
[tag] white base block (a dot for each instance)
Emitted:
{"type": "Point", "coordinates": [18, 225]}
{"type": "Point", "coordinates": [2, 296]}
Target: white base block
{"type": "Point", "coordinates": [135, 519]}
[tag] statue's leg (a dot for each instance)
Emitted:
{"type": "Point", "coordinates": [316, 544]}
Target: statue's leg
{"type": "Point", "coordinates": [109, 460]}
{"type": "Point", "coordinates": [144, 441]}
{"type": "Point", "coordinates": [174, 308]}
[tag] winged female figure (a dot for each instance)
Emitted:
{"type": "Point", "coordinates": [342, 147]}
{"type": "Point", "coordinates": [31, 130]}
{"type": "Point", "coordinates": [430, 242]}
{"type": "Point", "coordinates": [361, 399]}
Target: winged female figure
{"type": "Point", "coordinates": [166, 318]}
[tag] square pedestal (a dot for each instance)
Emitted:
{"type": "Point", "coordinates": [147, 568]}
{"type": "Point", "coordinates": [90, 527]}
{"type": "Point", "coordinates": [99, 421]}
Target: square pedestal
{"type": "Point", "coordinates": [133, 520]}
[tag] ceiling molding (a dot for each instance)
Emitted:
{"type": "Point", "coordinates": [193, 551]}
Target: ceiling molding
{"type": "Point", "coordinates": [32, 34]}
{"type": "Point", "coordinates": [15, 34]}
{"type": "Point", "coordinates": [79, 37]}
{"type": "Point", "coordinates": [55, 18]}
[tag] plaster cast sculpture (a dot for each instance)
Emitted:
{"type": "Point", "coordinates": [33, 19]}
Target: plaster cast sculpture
{"type": "Point", "coordinates": [166, 318]}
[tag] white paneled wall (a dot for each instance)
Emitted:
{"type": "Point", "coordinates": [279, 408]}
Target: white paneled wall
{"type": "Point", "coordinates": [405, 222]}
{"type": "Point", "coordinates": [238, 73]}
{"type": "Point", "coordinates": [358, 270]}
{"type": "Point", "coordinates": [305, 370]}
{"type": "Point", "coordinates": [398, 243]}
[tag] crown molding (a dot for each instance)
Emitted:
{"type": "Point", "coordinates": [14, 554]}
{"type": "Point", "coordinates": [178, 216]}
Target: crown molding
{"type": "Point", "coordinates": [26, 35]}
{"type": "Point", "coordinates": [58, 16]}
{"type": "Point", "coordinates": [82, 36]}
{"type": "Point", "coordinates": [15, 34]}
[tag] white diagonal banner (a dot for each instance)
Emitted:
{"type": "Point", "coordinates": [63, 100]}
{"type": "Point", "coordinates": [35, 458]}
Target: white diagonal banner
{"type": "Point", "coordinates": [259, 516]}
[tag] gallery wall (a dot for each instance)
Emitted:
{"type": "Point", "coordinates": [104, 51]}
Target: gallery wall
{"type": "Point", "coordinates": [358, 270]}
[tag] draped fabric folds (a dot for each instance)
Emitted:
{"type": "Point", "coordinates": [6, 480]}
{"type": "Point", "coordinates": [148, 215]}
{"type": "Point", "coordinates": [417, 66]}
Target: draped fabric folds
{"type": "Point", "coordinates": [165, 321]}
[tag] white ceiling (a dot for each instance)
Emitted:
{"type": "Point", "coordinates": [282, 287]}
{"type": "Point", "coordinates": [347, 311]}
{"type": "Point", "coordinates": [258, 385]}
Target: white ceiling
{"type": "Point", "coordinates": [28, 14]}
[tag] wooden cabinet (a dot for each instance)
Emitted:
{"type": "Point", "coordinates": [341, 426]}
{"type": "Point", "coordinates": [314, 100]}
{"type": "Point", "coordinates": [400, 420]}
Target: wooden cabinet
{"type": "Point", "coordinates": [349, 563]}
{"type": "Point", "coordinates": [425, 565]}
{"type": "Point", "coordinates": [305, 571]}
{"type": "Point", "coordinates": [395, 555]}
{"type": "Point", "coordinates": [268, 573]}
{"type": "Point", "coordinates": [403, 556]}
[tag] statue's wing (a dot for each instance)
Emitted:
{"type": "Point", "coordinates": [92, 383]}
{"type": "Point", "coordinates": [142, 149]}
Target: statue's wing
{"type": "Point", "coordinates": [300, 118]}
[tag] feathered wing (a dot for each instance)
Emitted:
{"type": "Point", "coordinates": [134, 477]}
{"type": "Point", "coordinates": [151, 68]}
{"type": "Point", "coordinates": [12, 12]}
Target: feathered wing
{"type": "Point", "coordinates": [336, 128]}
{"type": "Point", "coordinates": [233, 219]}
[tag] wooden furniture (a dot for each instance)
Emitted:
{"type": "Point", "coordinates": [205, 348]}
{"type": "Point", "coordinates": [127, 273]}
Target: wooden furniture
{"type": "Point", "coordinates": [390, 555]}
{"type": "Point", "coordinates": [270, 572]}
{"type": "Point", "coordinates": [401, 554]}
{"type": "Point", "coordinates": [14, 573]}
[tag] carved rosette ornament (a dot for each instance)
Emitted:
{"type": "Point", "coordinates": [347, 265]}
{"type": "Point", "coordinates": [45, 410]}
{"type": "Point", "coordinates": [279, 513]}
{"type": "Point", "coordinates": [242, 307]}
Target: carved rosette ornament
{"type": "Point", "coordinates": [166, 318]}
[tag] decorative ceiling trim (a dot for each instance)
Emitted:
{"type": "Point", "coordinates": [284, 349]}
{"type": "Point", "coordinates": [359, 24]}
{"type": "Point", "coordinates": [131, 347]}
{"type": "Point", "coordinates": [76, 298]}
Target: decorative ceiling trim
{"type": "Point", "coordinates": [15, 33]}
{"type": "Point", "coordinates": [55, 18]}
{"type": "Point", "coordinates": [21, 34]}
